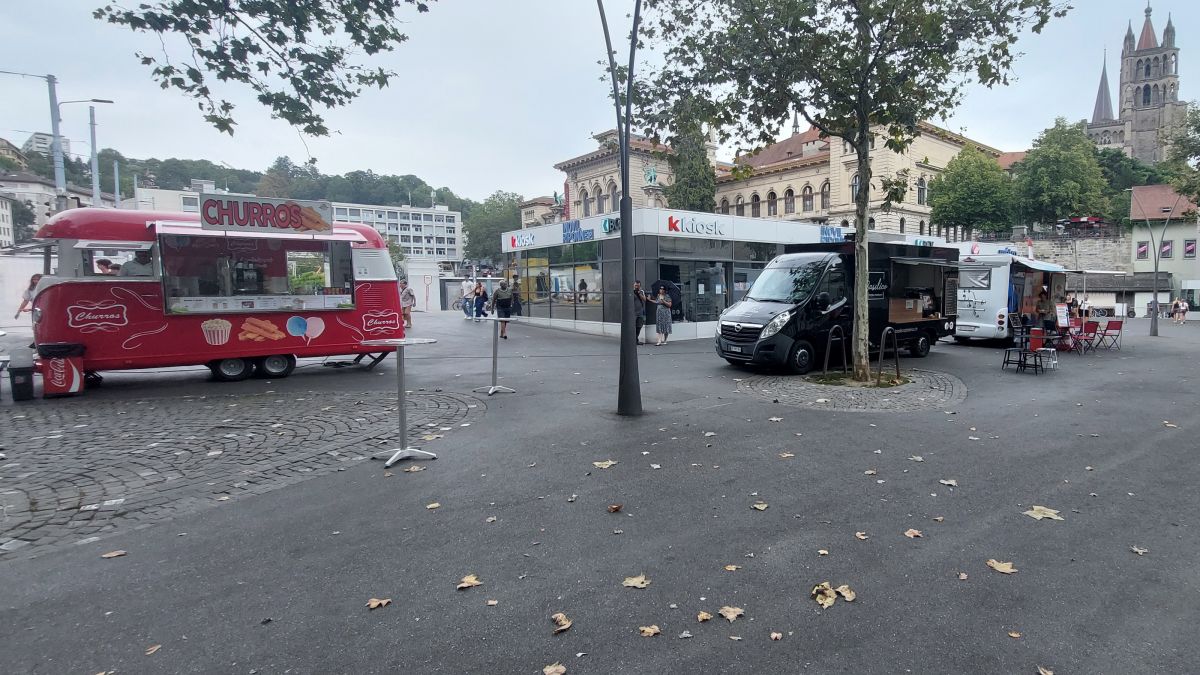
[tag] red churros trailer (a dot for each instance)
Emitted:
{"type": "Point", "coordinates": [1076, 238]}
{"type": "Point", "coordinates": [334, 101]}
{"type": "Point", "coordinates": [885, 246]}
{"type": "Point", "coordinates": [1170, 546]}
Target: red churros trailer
{"type": "Point", "coordinates": [245, 287]}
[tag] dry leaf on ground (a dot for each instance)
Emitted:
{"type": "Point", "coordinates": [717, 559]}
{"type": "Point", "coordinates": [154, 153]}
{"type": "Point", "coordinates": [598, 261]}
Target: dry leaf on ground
{"type": "Point", "coordinates": [962, 576]}
{"type": "Point", "coordinates": [555, 669]}
{"type": "Point", "coordinates": [561, 622]}
{"type": "Point", "coordinates": [912, 534]}
{"type": "Point", "coordinates": [433, 506]}
{"type": "Point", "coordinates": [824, 594]}
{"type": "Point", "coordinates": [1044, 671]}
{"type": "Point", "coordinates": [774, 419]}
{"type": "Point", "coordinates": [112, 554]}
{"type": "Point", "coordinates": [735, 638]}
{"type": "Point", "coordinates": [469, 581]}
{"type": "Point", "coordinates": [649, 631]}
{"type": "Point", "coordinates": [1139, 550]}
{"type": "Point", "coordinates": [1014, 634]}
{"type": "Point", "coordinates": [917, 458]}
{"type": "Point", "coordinates": [1040, 512]}
{"type": "Point", "coordinates": [703, 616]}
{"type": "Point", "coordinates": [1002, 567]}
{"type": "Point", "coordinates": [938, 519]}
{"type": "Point", "coordinates": [846, 592]}
{"type": "Point", "coordinates": [732, 568]}
{"type": "Point", "coordinates": [490, 519]}
{"type": "Point", "coordinates": [153, 648]}
{"type": "Point", "coordinates": [822, 551]}
{"type": "Point", "coordinates": [786, 455]}
{"type": "Point", "coordinates": [376, 603]}
{"type": "Point", "coordinates": [492, 603]}
{"type": "Point", "coordinates": [606, 464]}
{"type": "Point", "coordinates": [861, 535]}
{"type": "Point", "coordinates": [640, 581]}
{"type": "Point", "coordinates": [614, 508]}
{"type": "Point", "coordinates": [776, 636]}
{"type": "Point", "coordinates": [710, 433]}
{"type": "Point", "coordinates": [414, 468]}
{"type": "Point", "coordinates": [759, 506]}
{"type": "Point", "coordinates": [387, 474]}
{"type": "Point", "coordinates": [730, 613]}
{"type": "Point", "coordinates": [870, 472]}
{"type": "Point", "coordinates": [949, 481]}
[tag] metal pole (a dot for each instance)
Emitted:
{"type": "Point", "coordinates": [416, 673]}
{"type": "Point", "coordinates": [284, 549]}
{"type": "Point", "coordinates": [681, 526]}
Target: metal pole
{"type": "Point", "coordinates": [495, 349]}
{"type": "Point", "coordinates": [400, 398]}
{"type": "Point", "coordinates": [96, 200]}
{"type": "Point", "coordinates": [60, 175]}
{"type": "Point", "coordinates": [116, 184]}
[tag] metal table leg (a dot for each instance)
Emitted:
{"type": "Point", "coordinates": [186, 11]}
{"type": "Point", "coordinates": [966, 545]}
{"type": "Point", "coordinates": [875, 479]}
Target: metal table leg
{"type": "Point", "coordinates": [495, 359]}
{"type": "Point", "coordinates": [403, 452]}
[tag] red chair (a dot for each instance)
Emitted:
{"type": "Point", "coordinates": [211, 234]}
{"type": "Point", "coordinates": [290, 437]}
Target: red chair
{"type": "Point", "coordinates": [1086, 338]}
{"type": "Point", "coordinates": [1111, 335]}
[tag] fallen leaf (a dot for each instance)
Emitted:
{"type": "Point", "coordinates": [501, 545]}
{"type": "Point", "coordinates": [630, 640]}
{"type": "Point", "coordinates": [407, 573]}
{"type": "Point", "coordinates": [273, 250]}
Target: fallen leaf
{"type": "Point", "coordinates": [786, 455]}
{"type": "Point", "coordinates": [870, 472]}
{"type": "Point", "coordinates": [1139, 550]}
{"type": "Point", "coordinates": [492, 603]}
{"type": "Point", "coordinates": [223, 498]}
{"type": "Point", "coordinates": [649, 631]}
{"type": "Point", "coordinates": [1014, 634]}
{"type": "Point", "coordinates": [614, 508]}
{"type": "Point", "coordinates": [656, 466]}
{"type": "Point", "coordinates": [861, 535]}
{"type": "Point", "coordinates": [735, 638]}
{"type": "Point", "coordinates": [606, 464]}
{"type": "Point", "coordinates": [685, 635]}
{"type": "Point", "coordinates": [774, 419]}
{"type": "Point", "coordinates": [112, 554]}
{"type": "Point", "coordinates": [822, 400]}
{"type": "Point", "coordinates": [962, 576]}
{"type": "Point", "coordinates": [153, 648]}
{"type": "Point", "coordinates": [1170, 425]}
{"type": "Point", "coordinates": [938, 519]}
{"type": "Point", "coordinates": [824, 594]}
{"type": "Point", "coordinates": [1044, 671]}
{"type": "Point", "coordinates": [822, 551]}
{"type": "Point", "coordinates": [710, 433]}
{"type": "Point", "coordinates": [376, 603]}
{"type": "Point", "coordinates": [414, 468]}
{"type": "Point", "coordinates": [917, 458]}
{"type": "Point", "coordinates": [469, 581]}
{"type": "Point", "coordinates": [1002, 567]}
{"type": "Point", "coordinates": [846, 592]}
{"type": "Point", "coordinates": [387, 474]}
{"type": "Point", "coordinates": [912, 534]}
{"type": "Point", "coordinates": [555, 669]}
{"type": "Point", "coordinates": [1040, 512]}
{"type": "Point", "coordinates": [777, 636]}
{"type": "Point", "coordinates": [640, 581]}
{"type": "Point", "coordinates": [433, 506]}
{"type": "Point", "coordinates": [759, 506]}
{"type": "Point", "coordinates": [949, 481]}
{"type": "Point", "coordinates": [490, 519]}
{"type": "Point", "coordinates": [732, 568]}
{"type": "Point", "coordinates": [572, 498]}
{"type": "Point", "coordinates": [730, 613]}
{"type": "Point", "coordinates": [561, 622]}
{"type": "Point", "coordinates": [703, 616]}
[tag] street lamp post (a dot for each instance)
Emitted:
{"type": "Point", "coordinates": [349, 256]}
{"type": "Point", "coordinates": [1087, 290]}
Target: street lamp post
{"type": "Point", "coordinates": [1156, 249]}
{"type": "Point", "coordinates": [96, 200]}
{"type": "Point", "coordinates": [629, 391]}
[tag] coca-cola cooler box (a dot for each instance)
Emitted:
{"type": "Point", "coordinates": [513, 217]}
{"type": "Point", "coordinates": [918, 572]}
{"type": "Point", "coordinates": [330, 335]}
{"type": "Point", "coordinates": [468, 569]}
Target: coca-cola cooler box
{"type": "Point", "coordinates": [62, 368]}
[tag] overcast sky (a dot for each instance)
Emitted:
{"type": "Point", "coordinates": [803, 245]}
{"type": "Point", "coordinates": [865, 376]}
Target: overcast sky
{"type": "Point", "coordinates": [489, 95]}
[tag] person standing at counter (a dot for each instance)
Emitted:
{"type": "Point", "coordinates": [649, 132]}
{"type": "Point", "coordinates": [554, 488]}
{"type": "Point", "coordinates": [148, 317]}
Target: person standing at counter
{"type": "Point", "coordinates": [140, 266]}
{"type": "Point", "coordinates": [1045, 311]}
{"type": "Point", "coordinates": [662, 315]}
{"type": "Point", "coordinates": [27, 296]}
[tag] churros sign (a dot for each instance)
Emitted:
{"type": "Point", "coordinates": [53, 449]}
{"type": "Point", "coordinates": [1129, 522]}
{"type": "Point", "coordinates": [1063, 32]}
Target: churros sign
{"type": "Point", "coordinates": [381, 321]}
{"type": "Point", "coordinates": [259, 214]}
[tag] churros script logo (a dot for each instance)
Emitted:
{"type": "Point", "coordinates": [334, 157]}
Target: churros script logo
{"type": "Point", "coordinates": [103, 314]}
{"type": "Point", "coordinates": [381, 321]}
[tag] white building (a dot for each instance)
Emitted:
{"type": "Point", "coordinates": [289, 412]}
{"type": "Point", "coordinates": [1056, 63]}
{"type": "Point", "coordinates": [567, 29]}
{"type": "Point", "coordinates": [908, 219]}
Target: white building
{"type": "Point", "coordinates": [42, 143]}
{"type": "Point", "coordinates": [6, 222]}
{"type": "Point", "coordinates": [187, 201]}
{"type": "Point", "coordinates": [421, 232]}
{"type": "Point", "coordinates": [39, 192]}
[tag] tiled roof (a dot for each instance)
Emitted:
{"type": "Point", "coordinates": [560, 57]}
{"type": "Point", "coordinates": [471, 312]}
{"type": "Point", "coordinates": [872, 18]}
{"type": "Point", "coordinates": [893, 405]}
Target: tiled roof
{"type": "Point", "coordinates": [1147, 40]}
{"type": "Point", "coordinates": [1149, 202]}
{"type": "Point", "coordinates": [536, 201]}
{"type": "Point", "coordinates": [1141, 281]}
{"type": "Point", "coordinates": [789, 148]}
{"type": "Point", "coordinates": [1007, 159]}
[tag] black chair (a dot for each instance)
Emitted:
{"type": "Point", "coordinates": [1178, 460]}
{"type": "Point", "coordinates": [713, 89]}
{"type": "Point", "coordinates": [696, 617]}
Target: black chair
{"type": "Point", "coordinates": [1020, 355]}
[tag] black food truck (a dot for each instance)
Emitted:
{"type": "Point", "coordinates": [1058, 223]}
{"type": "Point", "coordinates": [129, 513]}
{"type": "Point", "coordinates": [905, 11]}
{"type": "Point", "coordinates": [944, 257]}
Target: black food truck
{"type": "Point", "coordinates": [785, 318]}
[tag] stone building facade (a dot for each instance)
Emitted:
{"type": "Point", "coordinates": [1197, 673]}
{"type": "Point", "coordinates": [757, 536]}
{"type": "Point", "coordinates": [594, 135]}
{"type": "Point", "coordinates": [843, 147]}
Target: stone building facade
{"type": "Point", "coordinates": [594, 179]}
{"type": "Point", "coordinates": [1148, 96]}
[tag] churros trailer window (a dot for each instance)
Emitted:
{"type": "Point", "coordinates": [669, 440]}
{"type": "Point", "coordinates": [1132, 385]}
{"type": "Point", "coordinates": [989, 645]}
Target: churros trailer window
{"type": "Point", "coordinates": [206, 273]}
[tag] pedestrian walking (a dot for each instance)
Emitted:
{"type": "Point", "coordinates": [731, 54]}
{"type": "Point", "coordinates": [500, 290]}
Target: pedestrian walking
{"type": "Point", "coordinates": [1085, 308]}
{"type": "Point", "coordinates": [27, 296]}
{"type": "Point", "coordinates": [408, 299]}
{"type": "Point", "coordinates": [467, 298]}
{"type": "Point", "coordinates": [1184, 306]}
{"type": "Point", "coordinates": [662, 315]}
{"type": "Point", "coordinates": [480, 295]}
{"type": "Point", "coordinates": [639, 301]}
{"type": "Point", "coordinates": [583, 289]}
{"type": "Point", "coordinates": [502, 301]}
{"type": "Point", "coordinates": [516, 291]}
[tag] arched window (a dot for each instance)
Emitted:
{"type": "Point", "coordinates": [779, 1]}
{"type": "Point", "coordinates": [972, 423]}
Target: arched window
{"type": "Point", "coordinates": [615, 196]}
{"type": "Point", "coordinates": [806, 198]}
{"type": "Point", "coordinates": [739, 206]}
{"type": "Point", "coordinates": [724, 206]}
{"type": "Point", "coordinates": [870, 223]}
{"type": "Point", "coordinates": [1147, 68]}
{"type": "Point", "coordinates": [825, 195]}
{"type": "Point", "coordinates": [921, 228]}
{"type": "Point", "coordinates": [854, 188]}
{"type": "Point", "coordinates": [901, 226]}
{"type": "Point", "coordinates": [922, 191]}
{"type": "Point", "coordinates": [1156, 97]}
{"type": "Point", "coordinates": [601, 202]}
{"type": "Point", "coordinates": [789, 201]}
{"type": "Point", "coordinates": [587, 203]}
{"type": "Point", "coordinates": [1156, 67]}
{"type": "Point", "coordinates": [1137, 68]}
{"type": "Point", "coordinates": [1172, 95]}
{"type": "Point", "coordinates": [845, 224]}
{"type": "Point", "coordinates": [772, 204]}
{"type": "Point", "coordinates": [755, 206]}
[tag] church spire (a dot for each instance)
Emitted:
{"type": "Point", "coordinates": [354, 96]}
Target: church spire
{"type": "Point", "coordinates": [1148, 39]}
{"type": "Point", "coordinates": [1128, 47]}
{"type": "Point", "coordinates": [1103, 110]}
{"type": "Point", "coordinates": [1169, 33]}
{"type": "Point", "coordinates": [795, 122]}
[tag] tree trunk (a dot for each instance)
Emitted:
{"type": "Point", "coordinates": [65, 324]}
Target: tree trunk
{"type": "Point", "coordinates": [862, 200]}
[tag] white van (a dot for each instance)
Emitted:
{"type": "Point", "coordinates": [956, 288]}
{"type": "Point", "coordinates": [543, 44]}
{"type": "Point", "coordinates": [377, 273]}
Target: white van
{"type": "Point", "coordinates": [991, 287]}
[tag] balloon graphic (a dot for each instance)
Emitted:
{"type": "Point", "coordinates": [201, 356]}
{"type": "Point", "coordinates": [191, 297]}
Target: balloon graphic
{"type": "Point", "coordinates": [296, 326]}
{"type": "Point", "coordinates": [316, 326]}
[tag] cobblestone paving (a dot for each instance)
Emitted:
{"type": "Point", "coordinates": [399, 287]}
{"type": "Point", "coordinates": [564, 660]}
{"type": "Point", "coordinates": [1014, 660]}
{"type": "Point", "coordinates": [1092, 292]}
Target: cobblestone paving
{"type": "Point", "coordinates": [75, 470]}
{"type": "Point", "coordinates": [928, 390]}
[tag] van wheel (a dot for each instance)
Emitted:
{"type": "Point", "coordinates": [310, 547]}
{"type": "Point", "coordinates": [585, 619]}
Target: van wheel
{"type": "Point", "coordinates": [802, 358]}
{"type": "Point", "coordinates": [275, 366]}
{"type": "Point", "coordinates": [920, 347]}
{"type": "Point", "coordinates": [231, 370]}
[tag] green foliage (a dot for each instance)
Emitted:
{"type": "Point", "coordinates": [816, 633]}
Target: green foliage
{"type": "Point", "coordinates": [1061, 176]}
{"type": "Point", "coordinates": [695, 182]}
{"type": "Point", "coordinates": [1122, 172]}
{"type": "Point", "coordinates": [8, 164]}
{"type": "Point", "coordinates": [1185, 151]}
{"type": "Point", "coordinates": [497, 214]}
{"type": "Point", "coordinates": [297, 56]}
{"type": "Point", "coordinates": [23, 218]}
{"type": "Point", "coordinates": [854, 69]}
{"type": "Point", "coordinates": [973, 192]}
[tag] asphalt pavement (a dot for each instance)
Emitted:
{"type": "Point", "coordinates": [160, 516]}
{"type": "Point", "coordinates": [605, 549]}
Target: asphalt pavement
{"type": "Point", "coordinates": [277, 581]}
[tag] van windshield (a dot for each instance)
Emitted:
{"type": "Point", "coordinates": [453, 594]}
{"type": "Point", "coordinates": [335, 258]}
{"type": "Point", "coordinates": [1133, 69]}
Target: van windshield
{"type": "Point", "coordinates": [792, 284]}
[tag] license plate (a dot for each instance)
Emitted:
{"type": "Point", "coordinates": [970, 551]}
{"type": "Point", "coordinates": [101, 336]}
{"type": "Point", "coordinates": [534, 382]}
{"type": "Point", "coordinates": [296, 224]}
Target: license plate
{"type": "Point", "coordinates": [737, 350]}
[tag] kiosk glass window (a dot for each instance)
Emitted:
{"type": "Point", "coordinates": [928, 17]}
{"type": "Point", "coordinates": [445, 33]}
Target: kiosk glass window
{"type": "Point", "coordinates": [232, 274]}
{"type": "Point", "coordinates": [703, 288]}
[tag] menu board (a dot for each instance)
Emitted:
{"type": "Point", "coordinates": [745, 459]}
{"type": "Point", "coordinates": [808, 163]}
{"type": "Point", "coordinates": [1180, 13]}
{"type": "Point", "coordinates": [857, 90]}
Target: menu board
{"type": "Point", "coordinates": [1063, 315]}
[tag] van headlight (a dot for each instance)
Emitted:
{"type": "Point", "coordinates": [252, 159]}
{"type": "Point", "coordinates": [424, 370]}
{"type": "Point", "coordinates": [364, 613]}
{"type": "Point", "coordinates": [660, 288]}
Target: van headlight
{"type": "Point", "coordinates": [775, 325]}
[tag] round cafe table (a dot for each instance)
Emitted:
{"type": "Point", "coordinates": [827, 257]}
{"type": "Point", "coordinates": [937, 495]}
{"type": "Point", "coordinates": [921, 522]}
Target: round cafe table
{"type": "Point", "coordinates": [402, 452]}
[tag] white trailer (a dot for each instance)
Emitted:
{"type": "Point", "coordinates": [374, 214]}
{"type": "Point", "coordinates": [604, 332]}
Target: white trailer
{"type": "Point", "coordinates": [991, 287]}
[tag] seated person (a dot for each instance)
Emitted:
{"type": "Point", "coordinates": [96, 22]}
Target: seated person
{"type": "Point", "coordinates": [140, 266]}
{"type": "Point", "coordinates": [104, 266]}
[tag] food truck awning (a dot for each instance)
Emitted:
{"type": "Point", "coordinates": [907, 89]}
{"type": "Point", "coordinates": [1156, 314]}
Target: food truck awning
{"type": "Point", "coordinates": [191, 230]}
{"type": "Point", "coordinates": [925, 261]}
{"type": "Point", "coordinates": [1038, 265]}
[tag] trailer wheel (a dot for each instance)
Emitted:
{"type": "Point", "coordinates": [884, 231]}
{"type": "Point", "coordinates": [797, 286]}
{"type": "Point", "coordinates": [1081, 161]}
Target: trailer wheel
{"type": "Point", "coordinates": [802, 358]}
{"type": "Point", "coordinates": [231, 370]}
{"type": "Point", "coordinates": [275, 366]}
{"type": "Point", "coordinates": [920, 347]}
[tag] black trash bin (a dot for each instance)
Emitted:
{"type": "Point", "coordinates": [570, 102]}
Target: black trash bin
{"type": "Point", "coordinates": [20, 379]}
{"type": "Point", "coordinates": [59, 350]}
